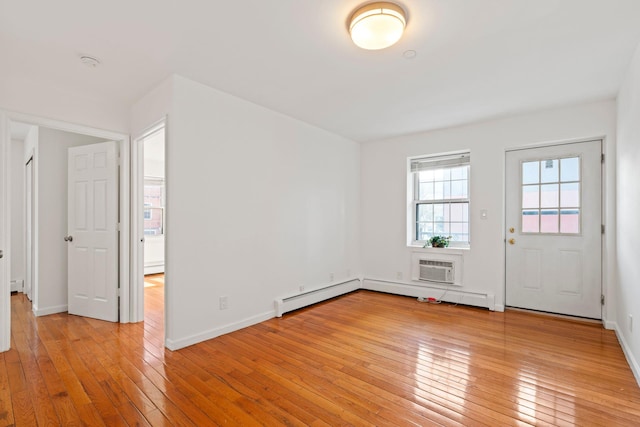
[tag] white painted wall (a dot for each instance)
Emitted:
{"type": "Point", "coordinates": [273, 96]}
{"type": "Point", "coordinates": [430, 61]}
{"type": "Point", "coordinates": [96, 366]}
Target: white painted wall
{"type": "Point", "coordinates": [40, 98]}
{"type": "Point", "coordinates": [51, 291]}
{"type": "Point", "coordinates": [384, 190]}
{"type": "Point", "coordinates": [258, 205]}
{"type": "Point", "coordinates": [17, 215]}
{"type": "Point", "coordinates": [628, 209]}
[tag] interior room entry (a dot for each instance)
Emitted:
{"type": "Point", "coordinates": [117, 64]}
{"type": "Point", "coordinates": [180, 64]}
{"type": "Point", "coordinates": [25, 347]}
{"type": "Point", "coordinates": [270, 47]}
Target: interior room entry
{"type": "Point", "coordinates": [93, 231]}
{"type": "Point", "coordinates": [553, 236]}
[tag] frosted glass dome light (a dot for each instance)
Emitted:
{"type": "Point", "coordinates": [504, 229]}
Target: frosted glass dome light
{"type": "Point", "coordinates": [377, 25]}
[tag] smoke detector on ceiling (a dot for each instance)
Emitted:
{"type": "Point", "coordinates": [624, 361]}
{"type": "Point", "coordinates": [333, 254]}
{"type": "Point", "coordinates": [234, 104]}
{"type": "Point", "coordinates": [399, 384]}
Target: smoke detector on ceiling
{"type": "Point", "coordinates": [89, 61]}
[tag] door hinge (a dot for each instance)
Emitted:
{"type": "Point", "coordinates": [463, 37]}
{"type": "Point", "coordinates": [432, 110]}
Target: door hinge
{"type": "Point", "coordinates": [118, 293]}
{"type": "Point", "coordinates": [602, 158]}
{"type": "Point", "coordinates": [118, 226]}
{"type": "Point", "coordinates": [601, 299]}
{"type": "Point", "coordinates": [602, 228]}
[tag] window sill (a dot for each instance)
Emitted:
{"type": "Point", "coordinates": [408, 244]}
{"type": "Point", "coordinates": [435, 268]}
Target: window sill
{"type": "Point", "coordinates": [456, 250]}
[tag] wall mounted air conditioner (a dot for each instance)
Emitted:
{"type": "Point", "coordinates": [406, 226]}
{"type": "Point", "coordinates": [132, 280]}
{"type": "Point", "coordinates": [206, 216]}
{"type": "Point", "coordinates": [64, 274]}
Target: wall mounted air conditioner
{"type": "Point", "coordinates": [437, 267]}
{"type": "Point", "coordinates": [436, 271]}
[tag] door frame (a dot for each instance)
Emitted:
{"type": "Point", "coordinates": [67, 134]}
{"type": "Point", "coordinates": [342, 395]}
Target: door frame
{"type": "Point", "coordinates": [603, 205]}
{"type": "Point", "coordinates": [6, 117]}
{"type": "Point", "coordinates": [137, 226]}
{"type": "Point", "coordinates": [30, 221]}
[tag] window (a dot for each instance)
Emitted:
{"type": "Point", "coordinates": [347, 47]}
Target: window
{"type": "Point", "coordinates": [154, 206]}
{"type": "Point", "coordinates": [551, 196]}
{"type": "Point", "coordinates": [440, 194]}
{"type": "Point", "coordinates": [147, 211]}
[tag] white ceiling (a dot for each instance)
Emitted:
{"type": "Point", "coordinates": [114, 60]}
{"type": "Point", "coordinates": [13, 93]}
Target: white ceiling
{"type": "Point", "coordinates": [476, 59]}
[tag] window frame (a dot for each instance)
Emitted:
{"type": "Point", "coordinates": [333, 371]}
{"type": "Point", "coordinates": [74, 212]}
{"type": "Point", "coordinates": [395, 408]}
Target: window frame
{"type": "Point", "coordinates": [414, 196]}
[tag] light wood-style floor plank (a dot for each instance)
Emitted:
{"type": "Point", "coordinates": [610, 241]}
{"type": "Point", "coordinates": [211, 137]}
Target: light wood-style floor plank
{"type": "Point", "coordinates": [363, 359]}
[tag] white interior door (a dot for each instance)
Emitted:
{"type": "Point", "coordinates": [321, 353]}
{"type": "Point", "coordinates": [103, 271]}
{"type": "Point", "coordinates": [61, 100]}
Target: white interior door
{"type": "Point", "coordinates": [93, 231]}
{"type": "Point", "coordinates": [30, 246]}
{"type": "Point", "coordinates": [553, 237]}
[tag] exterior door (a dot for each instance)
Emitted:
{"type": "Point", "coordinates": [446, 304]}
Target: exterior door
{"type": "Point", "coordinates": [93, 231]}
{"type": "Point", "coordinates": [553, 236]}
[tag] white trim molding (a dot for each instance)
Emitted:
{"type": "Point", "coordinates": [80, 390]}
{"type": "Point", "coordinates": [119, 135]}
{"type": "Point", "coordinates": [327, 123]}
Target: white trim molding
{"type": "Point", "coordinates": [49, 310]}
{"type": "Point", "coordinates": [444, 293]}
{"type": "Point", "coordinates": [216, 332]}
{"type": "Point", "coordinates": [633, 363]}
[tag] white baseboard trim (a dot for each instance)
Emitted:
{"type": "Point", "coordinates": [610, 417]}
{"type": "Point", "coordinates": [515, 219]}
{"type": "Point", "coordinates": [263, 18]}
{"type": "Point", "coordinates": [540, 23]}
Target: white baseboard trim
{"type": "Point", "coordinates": [216, 332]}
{"type": "Point", "coordinates": [154, 269]}
{"type": "Point", "coordinates": [441, 292]}
{"type": "Point", "coordinates": [633, 363]}
{"type": "Point", "coordinates": [315, 295]}
{"type": "Point", "coordinates": [49, 310]}
{"type": "Point", "coordinates": [499, 307]}
{"type": "Point", "coordinates": [609, 324]}
{"type": "Point", "coordinates": [17, 285]}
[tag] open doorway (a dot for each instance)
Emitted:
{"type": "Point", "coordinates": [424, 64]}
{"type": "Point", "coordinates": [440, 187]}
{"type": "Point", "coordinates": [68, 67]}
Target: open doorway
{"type": "Point", "coordinates": [38, 264]}
{"type": "Point", "coordinates": [41, 209]}
{"type": "Point", "coordinates": [149, 215]}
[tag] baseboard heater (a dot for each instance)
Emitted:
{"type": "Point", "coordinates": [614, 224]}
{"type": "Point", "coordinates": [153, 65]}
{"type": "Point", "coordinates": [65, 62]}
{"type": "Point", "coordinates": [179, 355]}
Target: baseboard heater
{"type": "Point", "coordinates": [314, 296]}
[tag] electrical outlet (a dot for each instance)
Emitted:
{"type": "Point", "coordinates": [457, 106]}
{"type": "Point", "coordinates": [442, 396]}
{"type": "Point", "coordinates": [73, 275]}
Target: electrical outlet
{"type": "Point", "coordinates": [301, 288]}
{"type": "Point", "coordinates": [399, 275]}
{"type": "Point", "coordinates": [331, 277]}
{"type": "Point", "coordinates": [630, 323]}
{"type": "Point", "coordinates": [224, 303]}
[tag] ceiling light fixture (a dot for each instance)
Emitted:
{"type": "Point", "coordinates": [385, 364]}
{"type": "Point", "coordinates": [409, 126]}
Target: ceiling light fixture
{"type": "Point", "coordinates": [89, 61]}
{"type": "Point", "coordinates": [377, 25]}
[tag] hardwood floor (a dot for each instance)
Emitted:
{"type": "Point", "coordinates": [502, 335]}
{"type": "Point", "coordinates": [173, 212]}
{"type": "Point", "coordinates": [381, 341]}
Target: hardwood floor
{"type": "Point", "coordinates": [362, 359]}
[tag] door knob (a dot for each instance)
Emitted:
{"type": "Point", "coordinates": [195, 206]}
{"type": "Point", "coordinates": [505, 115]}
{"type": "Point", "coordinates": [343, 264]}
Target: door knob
{"type": "Point", "coordinates": [68, 238]}
{"type": "Point", "coordinates": [512, 241]}
{"type": "Point", "coordinates": [512, 230]}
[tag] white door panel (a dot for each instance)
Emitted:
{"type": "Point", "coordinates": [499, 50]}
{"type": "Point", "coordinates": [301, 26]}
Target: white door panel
{"type": "Point", "coordinates": [92, 231]}
{"type": "Point", "coordinates": [553, 213]}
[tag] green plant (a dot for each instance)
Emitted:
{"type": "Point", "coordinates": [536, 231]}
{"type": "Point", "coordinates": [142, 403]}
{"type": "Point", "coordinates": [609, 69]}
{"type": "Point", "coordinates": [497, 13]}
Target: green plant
{"type": "Point", "coordinates": [438, 241]}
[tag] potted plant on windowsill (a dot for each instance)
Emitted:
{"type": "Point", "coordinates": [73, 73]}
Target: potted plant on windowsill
{"type": "Point", "coordinates": [438, 241]}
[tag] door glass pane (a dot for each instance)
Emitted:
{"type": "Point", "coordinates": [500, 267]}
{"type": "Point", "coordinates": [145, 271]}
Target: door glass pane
{"type": "Point", "coordinates": [549, 221]}
{"type": "Point", "coordinates": [530, 196]}
{"type": "Point", "coordinates": [530, 172]}
{"type": "Point", "coordinates": [549, 196]}
{"type": "Point", "coordinates": [570, 169]}
{"type": "Point", "coordinates": [530, 221]}
{"type": "Point", "coordinates": [549, 171]}
{"type": "Point", "coordinates": [570, 195]}
{"type": "Point", "coordinates": [570, 221]}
